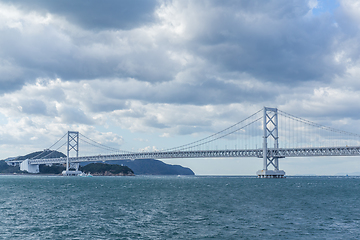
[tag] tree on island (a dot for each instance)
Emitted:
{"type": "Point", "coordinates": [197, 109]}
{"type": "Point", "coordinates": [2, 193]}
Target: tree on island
{"type": "Point", "coordinates": [107, 169]}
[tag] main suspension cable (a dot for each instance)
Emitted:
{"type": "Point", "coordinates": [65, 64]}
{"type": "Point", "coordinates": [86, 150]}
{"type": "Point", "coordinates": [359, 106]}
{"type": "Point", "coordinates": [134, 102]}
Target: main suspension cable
{"type": "Point", "coordinates": [50, 147]}
{"type": "Point", "coordinates": [203, 139]}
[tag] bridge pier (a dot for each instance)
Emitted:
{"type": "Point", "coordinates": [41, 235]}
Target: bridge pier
{"type": "Point", "coordinates": [71, 173]}
{"type": "Point", "coordinates": [270, 174]}
{"type": "Point", "coordinates": [270, 156]}
{"type": "Point", "coordinates": [30, 168]}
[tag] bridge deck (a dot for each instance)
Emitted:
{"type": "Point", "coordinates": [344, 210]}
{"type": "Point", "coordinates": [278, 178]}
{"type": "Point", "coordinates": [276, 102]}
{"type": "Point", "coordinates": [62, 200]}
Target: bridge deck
{"type": "Point", "coordinates": [281, 153]}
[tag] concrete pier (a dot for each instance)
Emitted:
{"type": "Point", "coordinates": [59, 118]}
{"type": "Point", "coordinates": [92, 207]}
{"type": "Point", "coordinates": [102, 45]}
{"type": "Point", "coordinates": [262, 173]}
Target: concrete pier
{"type": "Point", "coordinates": [30, 168]}
{"type": "Point", "coordinates": [71, 173]}
{"type": "Point", "coordinates": [270, 174]}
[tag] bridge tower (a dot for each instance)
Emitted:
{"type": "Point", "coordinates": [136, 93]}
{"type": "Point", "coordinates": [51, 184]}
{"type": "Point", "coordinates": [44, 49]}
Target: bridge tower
{"type": "Point", "coordinates": [72, 145]}
{"type": "Point", "coordinates": [270, 155]}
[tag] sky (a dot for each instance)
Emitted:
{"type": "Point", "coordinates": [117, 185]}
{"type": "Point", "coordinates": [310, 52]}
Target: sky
{"type": "Point", "coordinates": [145, 74]}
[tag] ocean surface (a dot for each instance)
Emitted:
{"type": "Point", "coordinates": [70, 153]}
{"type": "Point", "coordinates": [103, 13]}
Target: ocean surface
{"type": "Point", "coordinates": [141, 207]}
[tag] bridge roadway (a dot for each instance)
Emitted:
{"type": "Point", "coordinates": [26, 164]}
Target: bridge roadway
{"type": "Point", "coordinates": [279, 153]}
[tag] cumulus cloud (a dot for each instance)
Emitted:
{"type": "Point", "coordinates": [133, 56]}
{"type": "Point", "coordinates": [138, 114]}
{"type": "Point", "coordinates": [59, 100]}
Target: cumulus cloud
{"type": "Point", "coordinates": [200, 42]}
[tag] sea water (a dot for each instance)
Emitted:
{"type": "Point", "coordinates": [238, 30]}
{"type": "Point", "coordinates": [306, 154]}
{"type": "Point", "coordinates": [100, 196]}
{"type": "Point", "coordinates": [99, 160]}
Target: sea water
{"type": "Point", "coordinates": [141, 207]}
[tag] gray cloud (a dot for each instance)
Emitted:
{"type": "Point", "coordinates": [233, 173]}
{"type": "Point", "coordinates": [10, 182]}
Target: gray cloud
{"type": "Point", "coordinates": [276, 41]}
{"type": "Point", "coordinates": [154, 122]}
{"type": "Point", "coordinates": [273, 42]}
{"type": "Point", "coordinates": [207, 91]}
{"type": "Point", "coordinates": [92, 14]}
{"type": "Point", "coordinates": [74, 115]}
{"type": "Point", "coordinates": [33, 106]}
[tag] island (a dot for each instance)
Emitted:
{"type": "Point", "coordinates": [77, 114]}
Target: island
{"type": "Point", "coordinates": [104, 169]}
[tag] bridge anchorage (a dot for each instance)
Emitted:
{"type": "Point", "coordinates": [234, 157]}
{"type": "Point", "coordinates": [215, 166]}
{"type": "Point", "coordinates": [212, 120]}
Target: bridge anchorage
{"type": "Point", "coordinates": [270, 156]}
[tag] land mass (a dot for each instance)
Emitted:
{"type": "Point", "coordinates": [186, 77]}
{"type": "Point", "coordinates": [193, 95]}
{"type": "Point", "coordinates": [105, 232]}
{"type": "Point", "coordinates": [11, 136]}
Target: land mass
{"type": "Point", "coordinates": [138, 167]}
{"type": "Point", "coordinates": [152, 167]}
{"type": "Point", "coordinates": [42, 154]}
{"type": "Point", "coordinates": [103, 169]}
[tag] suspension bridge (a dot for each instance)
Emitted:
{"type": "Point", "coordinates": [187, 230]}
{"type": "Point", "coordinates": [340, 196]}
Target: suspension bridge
{"type": "Point", "coordinates": [269, 133]}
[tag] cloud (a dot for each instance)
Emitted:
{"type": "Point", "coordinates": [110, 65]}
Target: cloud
{"type": "Point", "coordinates": [71, 115]}
{"type": "Point", "coordinates": [33, 107]}
{"type": "Point", "coordinates": [48, 46]}
{"type": "Point", "coordinates": [274, 42]}
{"type": "Point", "coordinates": [93, 14]}
{"type": "Point", "coordinates": [206, 43]}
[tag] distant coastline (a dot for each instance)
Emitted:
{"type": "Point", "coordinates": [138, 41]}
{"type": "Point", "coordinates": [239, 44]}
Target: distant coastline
{"type": "Point", "coordinates": [137, 167]}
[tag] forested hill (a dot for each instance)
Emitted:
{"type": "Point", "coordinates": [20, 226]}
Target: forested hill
{"type": "Point", "coordinates": [153, 167]}
{"type": "Point", "coordinates": [42, 154]}
{"type": "Point", "coordinates": [104, 169]}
